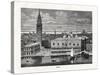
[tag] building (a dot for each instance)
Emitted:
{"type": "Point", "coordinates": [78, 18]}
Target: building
{"type": "Point", "coordinates": [83, 43]}
{"type": "Point", "coordinates": [66, 42]}
{"type": "Point", "coordinates": [55, 56]}
{"type": "Point", "coordinates": [61, 48]}
{"type": "Point", "coordinates": [29, 54]}
{"type": "Point", "coordinates": [89, 47]}
{"type": "Point", "coordinates": [39, 27]}
{"type": "Point", "coordinates": [59, 43]}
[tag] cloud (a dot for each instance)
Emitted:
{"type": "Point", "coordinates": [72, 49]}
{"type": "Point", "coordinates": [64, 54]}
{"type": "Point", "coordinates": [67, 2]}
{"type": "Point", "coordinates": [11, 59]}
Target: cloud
{"type": "Point", "coordinates": [28, 19]}
{"type": "Point", "coordinates": [24, 18]}
{"type": "Point", "coordinates": [61, 17]}
{"type": "Point", "coordinates": [46, 18]}
{"type": "Point", "coordinates": [51, 20]}
{"type": "Point", "coordinates": [34, 14]}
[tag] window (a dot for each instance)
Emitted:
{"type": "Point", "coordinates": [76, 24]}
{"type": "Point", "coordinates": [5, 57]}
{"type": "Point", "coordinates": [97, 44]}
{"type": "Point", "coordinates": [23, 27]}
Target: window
{"type": "Point", "coordinates": [66, 44]}
{"type": "Point", "coordinates": [69, 43]}
{"type": "Point", "coordinates": [53, 60]}
{"type": "Point", "coordinates": [62, 43]}
{"type": "Point", "coordinates": [27, 61]}
{"type": "Point", "coordinates": [53, 43]}
{"type": "Point", "coordinates": [78, 44]}
{"type": "Point", "coordinates": [73, 44]}
{"type": "Point", "coordinates": [58, 43]}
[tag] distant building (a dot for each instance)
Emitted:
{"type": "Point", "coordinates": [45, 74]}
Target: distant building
{"type": "Point", "coordinates": [83, 43]}
{"type": "Point", "coordinates": [89, 47]}
{"type": "Point", "coordinates": [46, 43]}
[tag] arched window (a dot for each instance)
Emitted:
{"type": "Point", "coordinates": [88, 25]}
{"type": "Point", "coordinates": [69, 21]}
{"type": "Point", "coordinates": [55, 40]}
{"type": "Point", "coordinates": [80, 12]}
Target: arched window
{"type": "Point", "coordinates": [30, 53]}
{"type": "Point", "coordinates": [62, 43]}
{"type": "Point", "coordinates": [58, 43]}
{"type": "Point", "coordinates": [53, 43]}
{"type": "Point", "coordinates": [78, 44]}
{"type": "Point", "coordinates": [73, 44]}
{"type": "Point", "coordinates": [66, 44]}
{"type": "Point", "coordinates": [69, 43]}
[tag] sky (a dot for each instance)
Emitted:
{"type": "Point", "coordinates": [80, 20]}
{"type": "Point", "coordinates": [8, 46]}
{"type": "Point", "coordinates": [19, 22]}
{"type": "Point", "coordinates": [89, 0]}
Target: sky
{"type": "Point", "coordinates": [56, 20]}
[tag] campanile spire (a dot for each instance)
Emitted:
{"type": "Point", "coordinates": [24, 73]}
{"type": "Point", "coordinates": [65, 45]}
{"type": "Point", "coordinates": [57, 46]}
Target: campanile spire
{"type": "Point", "coordinates": [39, 26]}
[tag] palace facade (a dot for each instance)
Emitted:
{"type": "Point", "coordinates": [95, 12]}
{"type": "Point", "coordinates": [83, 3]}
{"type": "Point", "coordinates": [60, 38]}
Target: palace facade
{"type": "Point", "coordinates": [66, 42]}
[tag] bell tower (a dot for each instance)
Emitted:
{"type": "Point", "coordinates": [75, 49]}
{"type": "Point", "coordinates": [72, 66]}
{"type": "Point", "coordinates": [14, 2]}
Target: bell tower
{"type": "Point", "coordinates": [39, 27]}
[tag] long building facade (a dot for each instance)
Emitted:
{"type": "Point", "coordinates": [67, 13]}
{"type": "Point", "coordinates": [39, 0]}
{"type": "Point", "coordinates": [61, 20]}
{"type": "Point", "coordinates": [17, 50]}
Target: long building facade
{"type": "Point", "coordinates": [74, 42]}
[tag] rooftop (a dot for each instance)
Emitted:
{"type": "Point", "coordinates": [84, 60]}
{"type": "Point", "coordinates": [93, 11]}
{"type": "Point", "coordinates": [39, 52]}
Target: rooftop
{"type": "Point", "coordinates": [32, 44]}
{"type": "Point", "coordinates": [65, 39]}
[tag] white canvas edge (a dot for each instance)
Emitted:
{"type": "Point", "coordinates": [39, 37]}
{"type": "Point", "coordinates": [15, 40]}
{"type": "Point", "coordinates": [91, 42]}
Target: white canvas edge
{"type": "Point", "coordinates": [17, 36]}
